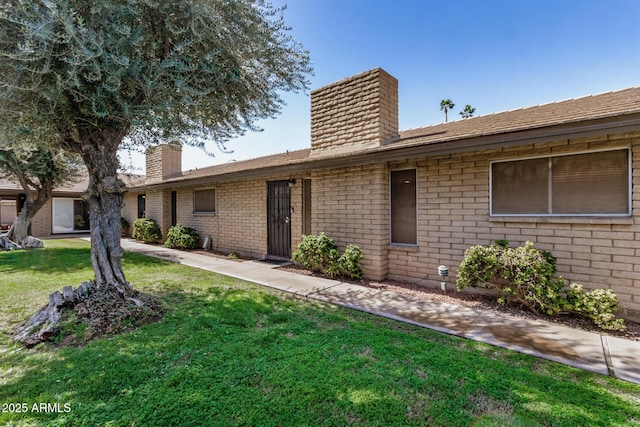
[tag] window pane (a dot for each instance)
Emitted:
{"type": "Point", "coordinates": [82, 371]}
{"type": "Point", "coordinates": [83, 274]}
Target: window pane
{"type": "Point", "coordinates": [62, 216]}
{"type": "Point", "coordinates": [520, 187]}
{"type": "Point", "coordinates": [204, 201]}
{"type": "Point", "coordinates": [80, 215]}
{"type": "Point", "coordinates": [403, 207]}
{"type": "Point", "coordinates": [593, 183]}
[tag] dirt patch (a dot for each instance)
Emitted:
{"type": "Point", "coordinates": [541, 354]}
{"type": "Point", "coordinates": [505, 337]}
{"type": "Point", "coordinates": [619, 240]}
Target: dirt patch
{"type": "Point", "coordinates": [478, 301]}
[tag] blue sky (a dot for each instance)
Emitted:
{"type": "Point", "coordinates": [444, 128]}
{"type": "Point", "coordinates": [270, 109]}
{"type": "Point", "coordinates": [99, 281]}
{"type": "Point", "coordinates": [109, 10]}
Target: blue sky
{"type": "Point", "coordinates": [494, 54]}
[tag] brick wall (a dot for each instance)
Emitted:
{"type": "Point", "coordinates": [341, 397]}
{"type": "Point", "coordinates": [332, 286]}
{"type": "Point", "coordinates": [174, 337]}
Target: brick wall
{"type": "Point", "coordinates": [354, 113]}
{"type": "Point", "coordinates": [351, 206]}
{"type": "Point", "coordinates": [162, 162]}
{"type": "Point", "coordinates": [130, 208]}
{"type": "Point", "coordinates": [240, 221]}
{"type": "Point", "coordinates": [41, 222]}
{"type": "Point", "coordinates": [453, 214]}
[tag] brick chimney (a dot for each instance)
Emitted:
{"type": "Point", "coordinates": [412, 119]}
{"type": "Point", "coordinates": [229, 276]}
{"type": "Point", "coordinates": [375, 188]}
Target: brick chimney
{"type": "Point", "coordinates": [355, 113]}
{"type": "Point", "coordinates": [163, 161]}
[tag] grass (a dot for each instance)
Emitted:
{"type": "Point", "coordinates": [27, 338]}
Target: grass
{"type": "Point", "coordinates": [232, 353]}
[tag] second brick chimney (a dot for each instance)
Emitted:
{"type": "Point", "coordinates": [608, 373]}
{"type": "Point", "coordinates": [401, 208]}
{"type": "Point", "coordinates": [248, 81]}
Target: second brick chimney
{"type": "Point", "coordinates": [163, 162]}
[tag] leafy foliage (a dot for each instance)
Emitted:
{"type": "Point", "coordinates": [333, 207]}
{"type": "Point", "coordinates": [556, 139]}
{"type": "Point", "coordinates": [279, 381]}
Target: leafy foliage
{"type": "Point", "coordinates": [524, 274]}
{"type": "Point", "coordinates": [152, 70]}
{"type": "Point", "coordinates": [124, 226]}
{"type": "Point", "coordinates": [147, 230]}
{"type": "Point", "coordinates": [94, 77]}
{"type": "Point", "coordinates": [179, 237]}
{"type": "Point", "coordinates": [350, 262]}
{"type": "Point", "coordinates": [320, 253]}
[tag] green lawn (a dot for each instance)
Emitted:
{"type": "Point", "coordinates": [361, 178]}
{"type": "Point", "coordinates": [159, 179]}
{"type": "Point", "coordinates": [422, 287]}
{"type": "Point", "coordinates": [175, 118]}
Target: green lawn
{"type": "Point", "coordinates": [232, 353]}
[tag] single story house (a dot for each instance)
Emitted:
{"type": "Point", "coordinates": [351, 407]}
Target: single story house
{"type": "Point", "coordinates": [64, 213]}
{"type": "Point", "coordinates": [562, 175]}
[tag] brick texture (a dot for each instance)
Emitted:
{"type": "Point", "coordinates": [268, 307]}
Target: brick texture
{"type": "Point", "coordinates": [453, 214]}
{"type": "Point", "coordinates": [354, 113]}
{"type": "Point", "coordinates": [162, 162]}
{"type": "Point", "coordinates": [351, 206]}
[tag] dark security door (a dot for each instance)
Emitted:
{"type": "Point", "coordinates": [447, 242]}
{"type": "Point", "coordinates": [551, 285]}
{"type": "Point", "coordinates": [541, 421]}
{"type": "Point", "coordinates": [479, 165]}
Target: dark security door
{"type": "Point", "coordinates": [279, 219]}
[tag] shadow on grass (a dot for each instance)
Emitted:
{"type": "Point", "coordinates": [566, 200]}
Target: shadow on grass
{"type": "Point", "coordinates": [60, 260]}
{"type": "Point", "coordinates": [229, 356]}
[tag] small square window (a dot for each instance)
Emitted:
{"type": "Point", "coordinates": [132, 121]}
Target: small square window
{"type": "Point", "coordinates": [204, 201]}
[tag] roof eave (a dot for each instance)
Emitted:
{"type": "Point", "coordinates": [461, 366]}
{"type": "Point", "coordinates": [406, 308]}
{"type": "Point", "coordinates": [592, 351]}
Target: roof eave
{"type": "Point", "coordinates": [579, 129]}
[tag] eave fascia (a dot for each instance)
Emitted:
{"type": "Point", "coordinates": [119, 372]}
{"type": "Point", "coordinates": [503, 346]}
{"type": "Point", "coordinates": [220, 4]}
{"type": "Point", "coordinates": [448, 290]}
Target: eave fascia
{"type": "Point", "coordinates": [389, 152]}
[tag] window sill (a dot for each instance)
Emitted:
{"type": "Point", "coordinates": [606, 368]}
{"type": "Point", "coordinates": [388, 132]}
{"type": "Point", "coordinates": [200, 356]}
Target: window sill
{"type": "Point", "coordinates": [403, 247]}
{"type": "Point", "coordinates": [204, 213]}
{"type": "Point", "coordinates": [623, 220]}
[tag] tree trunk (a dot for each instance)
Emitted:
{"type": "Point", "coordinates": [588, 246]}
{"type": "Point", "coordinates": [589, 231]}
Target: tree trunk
{"type": "Point", "coordinates": [20, 228]}
{"type": "Point", "coordinates": [105, 199]}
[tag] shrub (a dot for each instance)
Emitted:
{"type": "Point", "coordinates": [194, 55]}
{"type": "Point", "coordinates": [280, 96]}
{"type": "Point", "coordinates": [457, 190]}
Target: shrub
{"type": "Point", "coordinates": [349, 262]}
{"type": "Point", "coordinates": [124, 226]}
{"type": "Point", "coordinates": [599, 305]}
{"type": "Point", "coordinates": [179, 237]}
{"type": "Point", "coordinates": [147, 230]}
{"type": "Point", "coordinates": [319, 253]}
{"type": "Point", "coordinates": [525, 275]}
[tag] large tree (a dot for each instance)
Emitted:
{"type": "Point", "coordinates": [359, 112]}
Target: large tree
{"type": "Point", "coordinates": [93, 77]}
{"type": "Point", "coordinates": [38, 170]}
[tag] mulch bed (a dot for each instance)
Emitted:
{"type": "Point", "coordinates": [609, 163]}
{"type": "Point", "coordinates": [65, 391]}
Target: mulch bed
{"type": "Point", "coordinates": [479, 302]}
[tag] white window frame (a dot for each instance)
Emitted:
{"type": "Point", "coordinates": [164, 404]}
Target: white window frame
{"type": "Point", "coordinates": [57, 229]}
{"type": "Point", "coordinates": [552, 156]}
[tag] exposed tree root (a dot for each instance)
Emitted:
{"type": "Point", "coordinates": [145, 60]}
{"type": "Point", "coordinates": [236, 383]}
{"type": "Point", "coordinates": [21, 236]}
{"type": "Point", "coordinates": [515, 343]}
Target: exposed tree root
{"type": "Point", "coordinates": [102, 309]}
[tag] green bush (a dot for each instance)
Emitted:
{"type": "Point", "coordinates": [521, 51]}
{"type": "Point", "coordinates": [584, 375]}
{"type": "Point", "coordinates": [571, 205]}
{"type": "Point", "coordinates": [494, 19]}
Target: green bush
{"type": "Point", "coordinates": [599, 305]}
{"type": "Point", "coordinates": [147, 230]}
{"type": "Point", "coordinates": [349, 263]}
{"type": "Point", "coordinates": [525, 275]}
{"type": "Point", "coordinates": [124, 226]}
{"type": "Point", "coordinates": [179, 237]}
{"type": "Point", "coordinates": [319, 253]}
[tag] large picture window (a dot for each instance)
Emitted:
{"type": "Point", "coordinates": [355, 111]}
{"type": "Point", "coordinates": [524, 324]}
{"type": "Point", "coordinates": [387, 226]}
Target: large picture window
{"type": "Point", "coordinates": [595, 183]}
{"type": "Point", "coordinates": [70, 216]}
{"type": "Point", "coordinates": [403, 207]}
{"type": "Point", "coordinates": [204, 201]}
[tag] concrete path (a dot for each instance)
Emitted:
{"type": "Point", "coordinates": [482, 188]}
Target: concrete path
{"type": "Point", "coordinates": [585, 350]}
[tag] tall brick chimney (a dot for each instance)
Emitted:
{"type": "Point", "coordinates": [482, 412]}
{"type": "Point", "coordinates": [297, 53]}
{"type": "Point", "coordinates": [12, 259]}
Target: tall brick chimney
{"type": "Point", "coordinates": [355, 113]}
{"type": "Point", "coordinates": [163, 161]}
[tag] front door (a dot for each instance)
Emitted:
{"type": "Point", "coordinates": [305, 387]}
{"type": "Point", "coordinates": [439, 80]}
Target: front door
{"type": "Point", "coordinates": [279, 219]}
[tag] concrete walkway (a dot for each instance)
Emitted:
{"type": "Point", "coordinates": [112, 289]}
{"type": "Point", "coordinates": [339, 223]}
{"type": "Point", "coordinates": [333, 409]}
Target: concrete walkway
{"type": "Point", "coordinates": [585, 350]}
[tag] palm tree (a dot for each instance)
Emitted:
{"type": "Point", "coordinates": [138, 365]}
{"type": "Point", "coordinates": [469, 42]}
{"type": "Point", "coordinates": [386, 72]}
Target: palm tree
{"type": "Point", "coordinates": [446, 105]}
{"type": "Point", "coordinates": [467, 112]}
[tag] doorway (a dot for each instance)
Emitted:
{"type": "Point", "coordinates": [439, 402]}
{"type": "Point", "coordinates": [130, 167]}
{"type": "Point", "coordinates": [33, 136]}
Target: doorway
{"type": "Point", "coordinates": [279, 219]}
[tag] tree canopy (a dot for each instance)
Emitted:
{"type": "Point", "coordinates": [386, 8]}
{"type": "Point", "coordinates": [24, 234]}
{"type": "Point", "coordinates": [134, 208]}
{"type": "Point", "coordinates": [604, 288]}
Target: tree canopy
{"type": "Point", "coordinates": [151, 70]}
{"type": "Point", "coordinates": [93, 77]}
{"type": "Point", "coordinates": [446, 105]}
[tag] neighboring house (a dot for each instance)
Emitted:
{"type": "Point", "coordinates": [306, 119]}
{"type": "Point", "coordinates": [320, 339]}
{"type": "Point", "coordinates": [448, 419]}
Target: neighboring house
{"type": "Point", "coordinates": [64, 213]}
{"type": "Point", "coordinates": [560, 174]}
